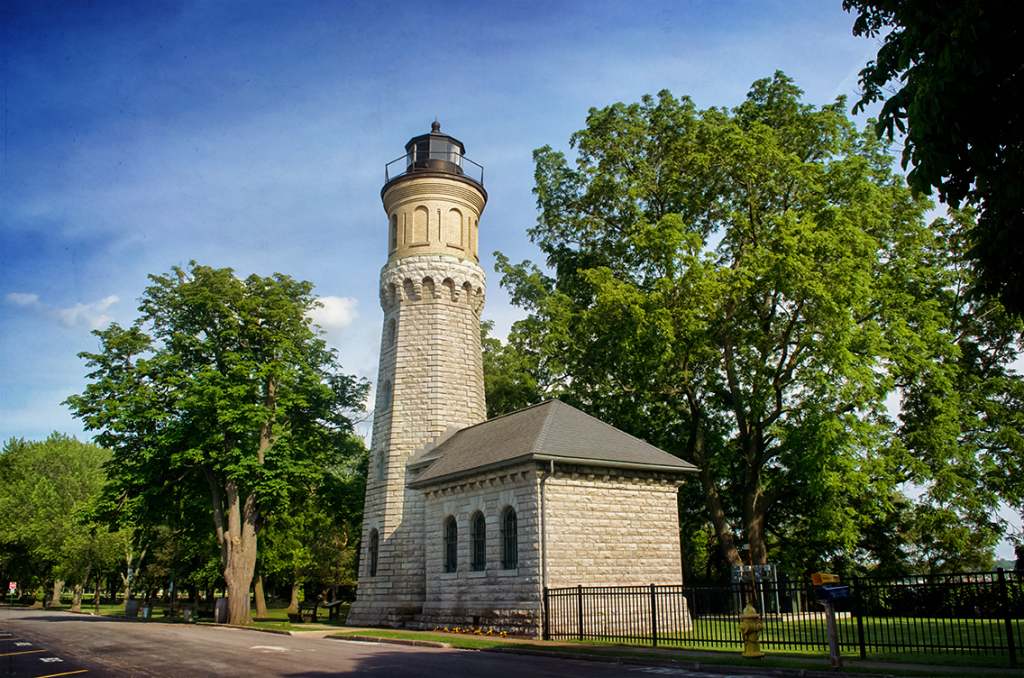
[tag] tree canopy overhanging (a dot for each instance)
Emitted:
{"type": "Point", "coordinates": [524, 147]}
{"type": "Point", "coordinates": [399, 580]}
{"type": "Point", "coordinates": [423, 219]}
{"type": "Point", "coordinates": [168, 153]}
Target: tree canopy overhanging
{"type": "Point", "coordinates": [746, 288]}
{"type": "Point", "coordinates": [951, 73]}
{"type": "Point", "coordinates": [222, 393]}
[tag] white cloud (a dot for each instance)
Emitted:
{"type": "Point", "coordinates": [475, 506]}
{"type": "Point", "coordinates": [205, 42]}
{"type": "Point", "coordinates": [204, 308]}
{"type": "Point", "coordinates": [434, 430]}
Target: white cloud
{"type": "Point", "coordinates": [19, 299]}
{"type": "Point", "coordinates": [336, 313]}
{"type": "Point", "coordinates": [92, 314]}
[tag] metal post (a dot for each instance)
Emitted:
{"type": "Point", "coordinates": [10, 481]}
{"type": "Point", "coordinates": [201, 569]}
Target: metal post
{"type": "Point", "coordinates": [654, 617]}
{"type": "Point", "coordinates": [860, 618]}
{"type": "Point", "coordinates": [1007, 617]}
{"type": "Point", "coordinates": [833, 636]}
{"type": "Point", "coordinates": [547, 615]}
{"type": "Point", "coordinates": [579, 610]}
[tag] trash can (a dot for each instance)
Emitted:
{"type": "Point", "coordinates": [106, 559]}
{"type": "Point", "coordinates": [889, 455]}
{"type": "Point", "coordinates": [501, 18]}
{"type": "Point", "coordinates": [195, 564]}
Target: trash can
{"type": "Point", "coordinates": [147, 611]}
{"type": "Point", "coordinates": [131, 609]}
{"type": "Point", "coordinates": [186, 614]}
{"type": "Point", "coordinates": [220, 611]}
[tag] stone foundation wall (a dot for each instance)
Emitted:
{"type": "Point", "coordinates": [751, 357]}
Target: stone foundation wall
{"type": "Point", "coordinates": [607, 527]}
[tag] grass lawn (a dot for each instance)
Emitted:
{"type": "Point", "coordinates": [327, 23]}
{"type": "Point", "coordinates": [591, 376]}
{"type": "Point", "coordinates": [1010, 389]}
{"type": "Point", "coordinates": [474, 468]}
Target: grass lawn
{"type": "Point", "coordinates": [277, 614]}
{"type": "Point", "coordinates": [974, 643]}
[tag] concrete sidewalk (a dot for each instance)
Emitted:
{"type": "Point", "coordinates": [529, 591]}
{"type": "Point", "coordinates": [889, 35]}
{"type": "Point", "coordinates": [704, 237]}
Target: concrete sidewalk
{"type": "Point", "coordinates": [687, 660]}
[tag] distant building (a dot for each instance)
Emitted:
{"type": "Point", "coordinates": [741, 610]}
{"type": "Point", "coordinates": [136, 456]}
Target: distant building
{"type": "Point", "coordinates": [466, 521]}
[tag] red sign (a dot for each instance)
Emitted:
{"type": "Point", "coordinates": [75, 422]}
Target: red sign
{"type": "Point", "coordinates": [13, 586]}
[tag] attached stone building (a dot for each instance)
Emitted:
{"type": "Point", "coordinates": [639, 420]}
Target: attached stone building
{"type": "Point", "coordinates": [466, 521]}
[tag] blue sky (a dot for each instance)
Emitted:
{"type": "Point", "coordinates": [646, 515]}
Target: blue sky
{"type": "Point", "coordinates": [253, 135]}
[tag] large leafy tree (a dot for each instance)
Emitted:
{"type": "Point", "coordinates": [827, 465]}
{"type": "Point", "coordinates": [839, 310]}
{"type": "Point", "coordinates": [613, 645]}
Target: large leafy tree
{"type": "Point", "coordinates": [952, 77]}
{"type": "Point", "coordinates": [221, 389]}
{"type": "Point", "coordinates": [316, 543]}
{"type": "Point", "coordinates": [48, 491]}
{"type": "Point", "coordinates": [962, 407]}
{"type": "Point", "coordinates": [727, 285]}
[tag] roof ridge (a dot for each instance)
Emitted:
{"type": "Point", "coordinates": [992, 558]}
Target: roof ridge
{"type": "Point", "coordinates": [538, 442]}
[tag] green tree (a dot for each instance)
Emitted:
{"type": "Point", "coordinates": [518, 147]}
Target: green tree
{"type": "Point", "coordinates": [47, 492]}
{"type": "Point", "coordinates": [723, 287]}
{"type": "Point", "coordinates": [221, 389]}
{"type": "Point", "coordinates": [315, 545]}
{"type": "Point", "coordinates": [962, 406]}
{"type": "Point", "coordinates": [952, 77]}
{"type": "Point", "coordinates": [510, 373]}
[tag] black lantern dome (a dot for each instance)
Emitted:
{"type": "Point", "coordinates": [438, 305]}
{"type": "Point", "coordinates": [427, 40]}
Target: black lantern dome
{"type": "Point", "coordinates": [434, 153]}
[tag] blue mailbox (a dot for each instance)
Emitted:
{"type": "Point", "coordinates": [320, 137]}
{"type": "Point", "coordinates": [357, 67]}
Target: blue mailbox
{"type": "Point", "coordinates": [828, 594]}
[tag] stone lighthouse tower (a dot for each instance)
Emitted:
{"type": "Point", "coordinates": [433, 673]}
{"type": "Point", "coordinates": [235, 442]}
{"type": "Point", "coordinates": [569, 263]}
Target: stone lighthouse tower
{"type": "Point", "coordinates": [430, 379]}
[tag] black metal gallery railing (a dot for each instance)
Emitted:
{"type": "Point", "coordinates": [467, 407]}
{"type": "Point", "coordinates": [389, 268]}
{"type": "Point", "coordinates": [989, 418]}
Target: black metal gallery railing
{"type": "Point", "coordinates": [980, 613]}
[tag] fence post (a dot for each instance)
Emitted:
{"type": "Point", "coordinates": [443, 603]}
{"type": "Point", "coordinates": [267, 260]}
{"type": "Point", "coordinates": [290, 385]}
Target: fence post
{"type": "Point", "coordinates": [547, 615]}
{"type": "Point", "coordinates": [857, 609]}
{"type": "Point", "coordinates": [1004, 595]}
{"type": "Point", "coordinates": [579, 610]}
{"type": "Point", "coordinates": [654, 617]}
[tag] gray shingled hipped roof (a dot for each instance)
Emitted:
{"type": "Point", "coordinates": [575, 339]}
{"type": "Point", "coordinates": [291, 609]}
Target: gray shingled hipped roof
{"type": "Point", "coordinates": [551, 430]}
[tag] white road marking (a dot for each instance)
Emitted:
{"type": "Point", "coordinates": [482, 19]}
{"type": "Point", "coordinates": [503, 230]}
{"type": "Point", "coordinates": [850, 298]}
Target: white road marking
{"type": "Point", "coordinates": [50, 659]}
{"type": "Point", "coordinates": [21, 644]}
{"type": "Point", "coordinates": [269, 648]}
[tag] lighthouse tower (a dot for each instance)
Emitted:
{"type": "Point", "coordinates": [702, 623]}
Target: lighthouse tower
{"type": "Point", "coordinates": [430, 379]}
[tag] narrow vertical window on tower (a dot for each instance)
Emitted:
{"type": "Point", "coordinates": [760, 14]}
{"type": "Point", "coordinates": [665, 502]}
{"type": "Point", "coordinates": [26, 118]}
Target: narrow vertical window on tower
{"type": "Point", "coordinates": [374, 547]}
{"type": "Point", "coordinates": [394, 232]}
{"type": "Point", "coordinates": [509, 539]}
{"type": "Point", "coordinates": [478, 537]}
{"type": "Point", "coordinates": [451, 545]}
{"type": "Point", "coordinates": [392, 333]}
{"type": "Point", "coordinates": [455, 229]}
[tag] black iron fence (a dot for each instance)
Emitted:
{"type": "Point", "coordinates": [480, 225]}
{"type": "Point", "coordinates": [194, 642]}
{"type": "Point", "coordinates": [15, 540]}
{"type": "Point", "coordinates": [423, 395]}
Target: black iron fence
{"type": "Point", "coordinates": [967, 613]}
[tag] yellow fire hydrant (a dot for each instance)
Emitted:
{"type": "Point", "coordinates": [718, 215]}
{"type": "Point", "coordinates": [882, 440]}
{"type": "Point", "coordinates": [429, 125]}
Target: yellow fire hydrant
{"type": "Point", "coordinates": [750, 627]}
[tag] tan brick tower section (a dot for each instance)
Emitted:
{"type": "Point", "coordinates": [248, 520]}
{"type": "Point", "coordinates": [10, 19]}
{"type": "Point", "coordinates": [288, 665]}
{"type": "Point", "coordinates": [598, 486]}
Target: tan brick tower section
{"type": "Point", "coordinates": [430, 378]}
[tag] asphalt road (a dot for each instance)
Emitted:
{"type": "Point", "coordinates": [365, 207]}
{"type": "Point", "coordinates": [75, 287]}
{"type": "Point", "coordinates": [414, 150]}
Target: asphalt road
{"type": "Point", "coordinates": [42, 644]}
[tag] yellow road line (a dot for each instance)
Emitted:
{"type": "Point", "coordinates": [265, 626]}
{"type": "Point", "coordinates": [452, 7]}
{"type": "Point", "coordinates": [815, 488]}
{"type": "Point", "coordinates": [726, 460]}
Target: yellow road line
{"type": "Point", "coordinates": [69, 673]}
{"type": "Point", "coordinates": [11, 654]}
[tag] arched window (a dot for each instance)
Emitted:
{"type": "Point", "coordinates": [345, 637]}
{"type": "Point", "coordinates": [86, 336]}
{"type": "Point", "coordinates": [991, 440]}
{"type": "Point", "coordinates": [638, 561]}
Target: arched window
{"type": "Point", "coordinates": [374, 546]}
{"type": "Point", "coordinates": [509, 539]}
{"type": "Point", "coordinates": [478, 538]}
{"type": "Point", "coordinates": [451, 545]}
{"type": "Point", "coordinates": [420, 226]}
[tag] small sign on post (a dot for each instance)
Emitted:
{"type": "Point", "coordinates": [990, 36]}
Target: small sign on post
{"type": "Point", "coordinates": [827, 595]}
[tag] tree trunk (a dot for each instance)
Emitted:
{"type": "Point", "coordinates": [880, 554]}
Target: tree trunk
{"type": "Point", "coordinates": [58, 589]}
{"type": "Point", "coordinates": [97, 598]}
{"type": "Point", "coordinates": [261, 600]}
{"type": "Point", "coordinates": [76, 602]}
{"type": "Point", "coordinates": [293, 606]}
{"type": "Point", "coordinates": [237, 534]}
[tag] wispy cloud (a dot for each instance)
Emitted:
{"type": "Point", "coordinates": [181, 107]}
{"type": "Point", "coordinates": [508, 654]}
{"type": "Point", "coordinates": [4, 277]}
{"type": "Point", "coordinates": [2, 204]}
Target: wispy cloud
{"type": "Point", "coordinates": [93, 314]}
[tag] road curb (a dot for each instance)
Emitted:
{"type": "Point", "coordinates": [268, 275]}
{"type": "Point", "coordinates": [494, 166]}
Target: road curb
{"type": "Point", "coordinates": [724, 669]}
{"type": "Point", "coordinates": [392, 641]}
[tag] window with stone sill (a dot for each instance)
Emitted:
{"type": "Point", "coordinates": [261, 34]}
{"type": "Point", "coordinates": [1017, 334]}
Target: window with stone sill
{"type": "Point", "coordinates": [509, 539]}
{"type": "Point", "coordinates": [374, 547]}
{"type": "Point", "coordinates": [478, 539]}
{"type": "Point", "coordinates": [451, 545]}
